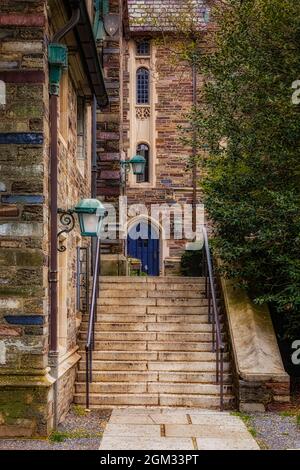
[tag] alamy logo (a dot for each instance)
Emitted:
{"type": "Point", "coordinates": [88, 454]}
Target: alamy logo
{"type": "Point", "coordinates": [2, 93]}
{"type": "Point", "coordinates": [296, 354]}
{"type": "Point", "coordinates": [296, 94]}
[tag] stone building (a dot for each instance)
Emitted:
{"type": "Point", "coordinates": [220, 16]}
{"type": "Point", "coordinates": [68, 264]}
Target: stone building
{"type": "Point", "coordinates": [150, 98]}
{"type": "Point", "coordinates": [46, 164]}
{"type": "Point", "coordinates": [66, 129]}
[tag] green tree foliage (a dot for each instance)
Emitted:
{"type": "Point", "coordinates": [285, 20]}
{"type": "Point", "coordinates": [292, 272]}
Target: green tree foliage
{"type": "Point", "coordinates": [246, 120]}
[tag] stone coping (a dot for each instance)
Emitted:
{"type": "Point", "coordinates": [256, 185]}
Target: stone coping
{"type": "Point", "coordinates": [254, 345]}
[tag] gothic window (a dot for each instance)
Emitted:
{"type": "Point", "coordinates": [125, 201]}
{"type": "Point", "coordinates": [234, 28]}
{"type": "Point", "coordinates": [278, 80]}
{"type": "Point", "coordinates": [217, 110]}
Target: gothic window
{"type": "Point", "coordinates": [143, 149]}
{"type": "Point", "coordinates": [142, 86]}
{"type": "Point", "coordinates": [143, 47]}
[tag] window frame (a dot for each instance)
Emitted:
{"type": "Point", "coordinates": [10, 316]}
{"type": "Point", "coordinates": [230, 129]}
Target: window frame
{"type": "Point", "coordinates": [145, 178]}
{"type": "Point", "coordinates": [140, 43]}
{"type": "Point", "coordinates": [144, 98]}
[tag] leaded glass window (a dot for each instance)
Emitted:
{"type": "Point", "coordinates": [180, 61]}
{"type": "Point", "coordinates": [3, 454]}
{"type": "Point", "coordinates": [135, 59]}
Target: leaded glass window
{"type": "Point", "coordinates": [143, 149]}
{"type": "Point", "coordinates": [143, 47]}
{"type": "Point", "coordinates": [142, 86]}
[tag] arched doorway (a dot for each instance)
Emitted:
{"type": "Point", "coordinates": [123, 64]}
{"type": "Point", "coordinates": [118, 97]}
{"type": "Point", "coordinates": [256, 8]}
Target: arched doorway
{"type": "Point", "coordinates": [143, 243]}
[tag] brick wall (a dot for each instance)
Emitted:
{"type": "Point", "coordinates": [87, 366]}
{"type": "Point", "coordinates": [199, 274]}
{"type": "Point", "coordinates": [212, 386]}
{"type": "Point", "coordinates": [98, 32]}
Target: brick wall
{"type": "Point", "coordinates": [173, 85]}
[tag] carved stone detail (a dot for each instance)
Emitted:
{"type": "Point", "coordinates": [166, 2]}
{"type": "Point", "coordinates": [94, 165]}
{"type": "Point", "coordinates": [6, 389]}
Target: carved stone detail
{"type": "Point", "coordinates": [143, 112]}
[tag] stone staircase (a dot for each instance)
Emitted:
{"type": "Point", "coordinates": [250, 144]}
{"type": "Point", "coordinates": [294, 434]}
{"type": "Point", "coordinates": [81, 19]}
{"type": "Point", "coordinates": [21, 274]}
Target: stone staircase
{"type": "Point", "coordinates": [153, 346]}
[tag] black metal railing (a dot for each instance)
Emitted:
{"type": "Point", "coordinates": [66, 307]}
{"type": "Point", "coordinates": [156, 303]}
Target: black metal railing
{"type": "Point", "coordinates": [90, 342]}
{"type": "Point", "coordinates": [213, 315]}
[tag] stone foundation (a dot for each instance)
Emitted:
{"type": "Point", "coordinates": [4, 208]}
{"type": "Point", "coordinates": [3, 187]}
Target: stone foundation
{"type": "Point", "coordinates": [66, 383]}
{"type": "Point", "coordinates": [26, 405]}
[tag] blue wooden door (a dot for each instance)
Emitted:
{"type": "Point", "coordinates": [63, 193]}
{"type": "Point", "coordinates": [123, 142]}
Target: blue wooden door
{"type": "Point", "coordinates": [145, 247]}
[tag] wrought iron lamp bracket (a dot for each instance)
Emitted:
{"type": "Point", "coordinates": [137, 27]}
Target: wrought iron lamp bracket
{"type": "Point", "coordinates": [67, 219]}
{"type": "Point", "coordinates": [125, 164]}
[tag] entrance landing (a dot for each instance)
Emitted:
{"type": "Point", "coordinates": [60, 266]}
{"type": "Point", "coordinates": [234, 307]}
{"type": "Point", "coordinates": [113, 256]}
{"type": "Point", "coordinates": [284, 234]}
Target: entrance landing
{"type": "Point", "coordinates": [180, 429]}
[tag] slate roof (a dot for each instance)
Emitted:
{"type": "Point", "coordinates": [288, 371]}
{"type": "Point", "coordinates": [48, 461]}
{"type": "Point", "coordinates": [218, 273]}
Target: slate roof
{"type": "Point", "coordinates": [154, 15]}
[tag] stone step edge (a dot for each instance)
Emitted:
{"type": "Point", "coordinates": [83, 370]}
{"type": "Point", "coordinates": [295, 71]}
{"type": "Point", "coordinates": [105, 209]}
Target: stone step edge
{"type": "Point", "coordinates": [198, 361]}
{"type": "Point", "coordinates": [152, 382]}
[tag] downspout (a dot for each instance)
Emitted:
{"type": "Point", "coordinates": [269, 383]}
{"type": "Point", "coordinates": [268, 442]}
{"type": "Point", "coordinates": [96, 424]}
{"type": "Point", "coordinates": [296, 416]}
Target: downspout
{"type": "Point", "coordinates": [55, 67]}
{"type": "Point", "coordinates": [194, 154]}
{"type": "Point", "coordinates": [94, 170]}
{"type": "Point", "coordinates": [94, 148]}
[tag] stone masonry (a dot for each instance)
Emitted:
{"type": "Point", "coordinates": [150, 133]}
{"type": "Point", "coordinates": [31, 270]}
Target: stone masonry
{"type": "Point", "coordinates": [26, 386]}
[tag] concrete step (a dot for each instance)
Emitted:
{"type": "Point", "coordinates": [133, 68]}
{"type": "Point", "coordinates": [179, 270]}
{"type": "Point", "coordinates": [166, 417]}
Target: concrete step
{"type": "Point", "coordinates": [109, 400]}
{"type": "Point", "coordinates": [136, 301]}
{"type": "Point", "coordinates": [199, 356]}
{"type": "Point", "coordinates": [155, 376]}
{"type": "Point", "coordinates": [147, 326]}
{"type": "Point", "coordinates": [124, 310]}
{"type": "Point", "coordinates": [119, 318]}
{"type": "Point", "coordinates": [187, 388]}
{"type": "Point", "coordinates": [113, 387]}
{"type": "Point", "coordinates": [155, 365]}
{"type": "Point", "coordinates": [197, 401]}
{"type": "Point", "coordinates": [192, 377]}
{"type": "Point", "coordinates": [141, 346]}
{"type": "Point", "coordinates": [152, 387]}
{"type": "Point", "coordinates": [153, 346]}
{"type": "Point", "coordinates": [148, 318]}
{"type": "Point", "coordinates": [182, 294]}
{"type": "Point", "coordinates": [151, 286]}
{"type": "Point", "coordinates": [202, 318]}
{"type": "Point", "coordinates": [186, 366]}
{"type": "Point", "coordinates": [122, 336]}
{"type": "Point", "coordinates": [142, 336]}
{"type": "Point", "coordinates": [160, 302]}
{"type": "Point", "coordinates": [174, 347]}
{"type": "Point", "coordinates": [151, 279]}
{"type": "Point", "coordinates": [119, 376]}
{"type": "Point", "coordinates": [133, 293]}
{"type": "Point", "coordinates": [163, 400]}
{"type": "Point", "coordinates": [117, 345]}
{"type": "Point", "coordinates": [115, 365]}
{"type": "Point", "coordinates": [177, 310]}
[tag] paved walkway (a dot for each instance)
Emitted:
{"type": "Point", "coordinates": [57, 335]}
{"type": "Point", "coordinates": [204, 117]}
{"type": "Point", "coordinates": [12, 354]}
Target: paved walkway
{"type": "Point", "coordinates": [175, 429]}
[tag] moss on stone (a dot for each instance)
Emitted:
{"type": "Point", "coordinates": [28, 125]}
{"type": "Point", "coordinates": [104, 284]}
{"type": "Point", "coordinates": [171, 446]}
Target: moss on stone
{"type": "Point", "coordinates": [29, 258]}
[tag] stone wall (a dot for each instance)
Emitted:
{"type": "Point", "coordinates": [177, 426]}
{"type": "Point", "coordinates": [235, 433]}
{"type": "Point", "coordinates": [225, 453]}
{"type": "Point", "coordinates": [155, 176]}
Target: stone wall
{"type": "Point", "coordinates": [26, 388]}
{"type": "Point", "coordinates": [109, 138]}
{"type": "Point", "coordinates": [24, 382]}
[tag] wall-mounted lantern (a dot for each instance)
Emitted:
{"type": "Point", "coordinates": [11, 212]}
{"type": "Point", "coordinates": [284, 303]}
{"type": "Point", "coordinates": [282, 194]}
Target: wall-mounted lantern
{"type": "Point", "coordinates": [91, 213]}
{"type": "Point", "coordinates": [136, 164]}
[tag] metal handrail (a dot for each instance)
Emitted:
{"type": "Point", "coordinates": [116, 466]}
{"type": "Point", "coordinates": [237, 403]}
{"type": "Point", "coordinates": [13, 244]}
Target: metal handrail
{"type": "Point", "coordinates": [213, 316]}
{"type": "Point", "coordinates": [90, 342]}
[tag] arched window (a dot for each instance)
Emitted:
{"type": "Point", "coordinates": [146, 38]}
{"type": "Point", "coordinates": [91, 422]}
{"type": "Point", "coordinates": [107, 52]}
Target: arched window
{"type": "Point", "coordinates": [143, 149]}
{"type": "Point", "coordinates": [143, 47]}
{"type": "Point", "coordinates": [142, 86]}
